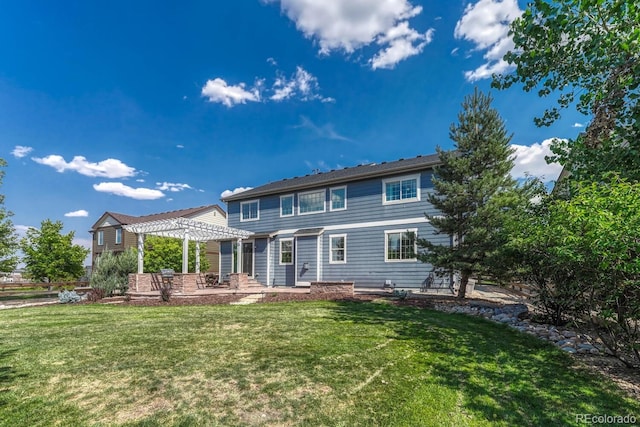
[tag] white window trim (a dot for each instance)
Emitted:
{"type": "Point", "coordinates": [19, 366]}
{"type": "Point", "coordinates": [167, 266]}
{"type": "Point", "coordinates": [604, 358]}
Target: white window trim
{"type": "Point", "coordinates": [324, 202]}
{"type": "Point", "coordinates": [331, 236]}
{"type": "Point", "coordinates": [248, 202]}
{"type": "Point", "coordinates": [118, 234]}
{"type": "Point", "coordinates": [287, 239]}
{"type": "Point", "coordinates": [293, 208]}
{"type": "Point", "coordinates": [100, 238]}
{"type": "Point", "coordinates": [400, 179]}
{"type": "Point", "coordinates": [386, 244]}
{"type": "Point", "coordinates": [343, 187]}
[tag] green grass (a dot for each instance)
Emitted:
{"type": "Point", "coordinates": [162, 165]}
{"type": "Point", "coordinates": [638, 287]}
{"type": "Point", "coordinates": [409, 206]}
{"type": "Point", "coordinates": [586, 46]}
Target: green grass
{"type": "Point", "coordinates": [318, 363]}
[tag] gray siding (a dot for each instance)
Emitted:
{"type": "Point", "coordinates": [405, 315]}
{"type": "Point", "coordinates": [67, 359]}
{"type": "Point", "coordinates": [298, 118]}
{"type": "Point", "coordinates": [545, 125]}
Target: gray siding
{"type": "Point", "coordinates": [360, 222]}
{"type": "Point", "coordinates": [364, 204]}
{"type": "Point", "coordinates": [226, 258]}
{"type": "Point", "coordinates": [365, 255]}
{"type": "Point", "coordinates": [307, 253]}
{"type": "Point", "coordinates": [260, 259]}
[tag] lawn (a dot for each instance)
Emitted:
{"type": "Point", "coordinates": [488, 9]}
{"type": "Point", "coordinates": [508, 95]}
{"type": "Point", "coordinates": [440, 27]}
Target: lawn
{"type": "Point", "coordinates": [313, 363]}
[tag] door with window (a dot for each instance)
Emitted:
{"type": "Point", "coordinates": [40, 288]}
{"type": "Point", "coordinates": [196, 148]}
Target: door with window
{"type": "Point", "coordinates": [247, 258]}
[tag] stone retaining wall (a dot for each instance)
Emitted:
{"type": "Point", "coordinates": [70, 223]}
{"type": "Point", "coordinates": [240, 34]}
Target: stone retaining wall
{"type": "Point", "coordinates": [145, 282]}
{"type": "Point", "coordinates": [332, 287]}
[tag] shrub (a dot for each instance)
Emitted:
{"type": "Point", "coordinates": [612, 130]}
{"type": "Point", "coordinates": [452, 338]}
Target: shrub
{"type": "Point", "coordinates": [68, 297]}
{"type": "Point", "coordinates": [112, 271]}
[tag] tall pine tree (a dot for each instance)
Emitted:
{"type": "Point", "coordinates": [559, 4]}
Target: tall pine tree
{"type": "Point", "coordinates": [472, 188]}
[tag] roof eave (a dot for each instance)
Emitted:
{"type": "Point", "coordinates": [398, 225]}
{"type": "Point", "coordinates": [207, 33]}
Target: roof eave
{"type": "Point", "coordinates": [243, 195]}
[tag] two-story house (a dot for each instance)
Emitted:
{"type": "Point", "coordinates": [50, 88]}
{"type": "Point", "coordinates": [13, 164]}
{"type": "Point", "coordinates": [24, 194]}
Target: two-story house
{"type": "Point", "coordinates": [355, 224]}
{"type": "Point", "coordinates": [109, 234]}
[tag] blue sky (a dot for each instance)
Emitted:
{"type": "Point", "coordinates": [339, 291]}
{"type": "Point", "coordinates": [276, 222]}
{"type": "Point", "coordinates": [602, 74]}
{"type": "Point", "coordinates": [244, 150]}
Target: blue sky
{"type": "Point", "coordinates": [149, 106]}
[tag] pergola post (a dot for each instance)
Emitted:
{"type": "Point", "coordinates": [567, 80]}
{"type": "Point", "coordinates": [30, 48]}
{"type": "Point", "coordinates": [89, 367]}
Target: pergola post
{"type": "Point", "coordinates": [197, 256]}
{"type": "Point", "coordinates": [185, 253]}
{"type": "Point", "coordinates": [239, 255]}
{"type": "Point", "coordinates": [140, 253]}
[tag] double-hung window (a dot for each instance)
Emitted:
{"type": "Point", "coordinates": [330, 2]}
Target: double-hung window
{"type": "Point", "coordinates": [338, 246]}
{"type": "Point", "coordinates": [118, 236]}
{"type": "Point", "coordinates": [312, 202]}
{"type": "Point", "coordinates": [400, 245]}
{"type": "Point", "coordinates": [250, 211]}
{"type": "Point", "coordinates": [399, 190]}
{"type": "Point", "coordinates": [338, 199]}
{"type": "Point", "coordinates": [100, 238]}
{"type": "Point", "coordinates": [286, 251]}
{"type": "Point", "coordinates": [286, 205]}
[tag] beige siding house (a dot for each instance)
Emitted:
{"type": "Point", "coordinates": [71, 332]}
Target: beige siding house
{"type": "Point", "coordinates": [109, 234]}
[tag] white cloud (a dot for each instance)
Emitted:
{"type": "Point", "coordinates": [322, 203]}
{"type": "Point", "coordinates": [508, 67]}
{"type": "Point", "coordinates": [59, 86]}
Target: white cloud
{"type": "Point", "coordinates": [531, 160]}
{"type": "Point", "coordinates": [109, 168]}
{"type": "Point", "coordinates": [21, 151]}
{"type": "Point", "coordinates": [21, 230]}
{"type": "Point", "coordinates": [272, 61]}
{"type": "Point", "coordinates": [338, 25]}
{"type": "Point", "coordinates": [173, 187]}
{"type": "Point", "coordinates": [120, 189]}
{"type": "Point", "coordinates": [302, 85]}
{"type": "Point", "coordinates": [75, 214]}
{"type": "Point", "coordinates": [403, 42]}
{"type": "Point", "coordinates": [486, 25]}
{"type": "Point", "coordinates": [179, 146]}
{"type": "Point", "coordinates": [578, 125]}
{"type": "Point", "coordinates": [217, 90]}
{"type": "Point", "coordinates": [227, 193]}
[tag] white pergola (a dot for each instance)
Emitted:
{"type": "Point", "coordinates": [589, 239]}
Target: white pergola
{"type": "Point", "coordinates": [185, 229]}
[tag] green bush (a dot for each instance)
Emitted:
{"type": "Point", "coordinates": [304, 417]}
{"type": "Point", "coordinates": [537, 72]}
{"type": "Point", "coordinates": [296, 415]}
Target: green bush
{"type": "Point", "coordinates": [112, 271]}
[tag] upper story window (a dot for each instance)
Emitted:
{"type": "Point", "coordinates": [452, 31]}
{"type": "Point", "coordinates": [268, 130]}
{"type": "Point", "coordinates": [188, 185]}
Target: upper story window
{"type": "Point", "coordinates": [399, 190]}
{"type": "Point", "coordinates": [250, 211]}
{"type": "Point", "coordinates": [286, 205]}
{"type": "Point", "coordinates": [338, 244]}
{"type": "Point", "coordinates": [100, 238]}
{"type": "Point", "coordinates": [400, 245]}
{"type": "Point", "coordinates": [338, 199]}
{"type": "Point", "coordinates": [118, 236]}
{"type": "Point", "coordinates": [312, 202]}
{"type": "Point", "coordinates": [286, 251]}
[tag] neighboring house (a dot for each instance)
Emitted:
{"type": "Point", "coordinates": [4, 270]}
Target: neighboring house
{"type": "Point", "coordinates": [355, 224]}
{"type": "Point", "coordinates": [109, 234]}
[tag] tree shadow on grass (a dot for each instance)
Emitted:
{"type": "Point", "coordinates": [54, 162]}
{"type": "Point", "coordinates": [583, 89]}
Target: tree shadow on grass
{"type": "Point", "coordinates": [503, 374]}
{"type": "Point", "coordinates": [8, 374]}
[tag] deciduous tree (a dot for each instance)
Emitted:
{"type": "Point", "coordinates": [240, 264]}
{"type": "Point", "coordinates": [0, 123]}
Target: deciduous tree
{"type": "Point", "coordinates": [165, 252]}
{"type": "Point", "coordinates": [8, 237]}
{"type": "Point", "coordinates": [587, 52]}
{"type": "Point", "coordinates": [51, 255]}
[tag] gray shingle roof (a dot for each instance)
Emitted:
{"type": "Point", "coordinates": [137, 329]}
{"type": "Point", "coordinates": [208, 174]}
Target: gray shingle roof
{"type": "Point", "coordinates": [339, 176]}
{"type": "Point", "coordinates": [124, 219]}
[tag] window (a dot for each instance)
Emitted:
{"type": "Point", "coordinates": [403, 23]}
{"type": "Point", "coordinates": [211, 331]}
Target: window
{"type": "Point", "coordinates": [118, 236]}
{"type": "Point", "coordinates": [286, 205]}
{"type": "Point", "coordinates": [249, 211]}
{"type": "Point", "coordinates": [397, 190]}
{"type": "Point", "coordinates": [339, 198]}
{"type": "Point", "coordinates": [286, 251]}
{"type": "Point", "coordinates": [100, 238]}
{"type": "Point", "coordinates": [400, 245]}
{"type": "Point", "coordinates": [338, 244]}
{"type": "Point", "coordinates": [311, 202]}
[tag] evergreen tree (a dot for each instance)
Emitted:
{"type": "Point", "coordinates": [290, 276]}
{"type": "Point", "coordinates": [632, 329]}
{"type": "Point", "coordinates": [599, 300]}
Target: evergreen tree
{"type": "Point", "coordinates": [472, 189]}
{"type": "Point", "coordinates": [8, 237]}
